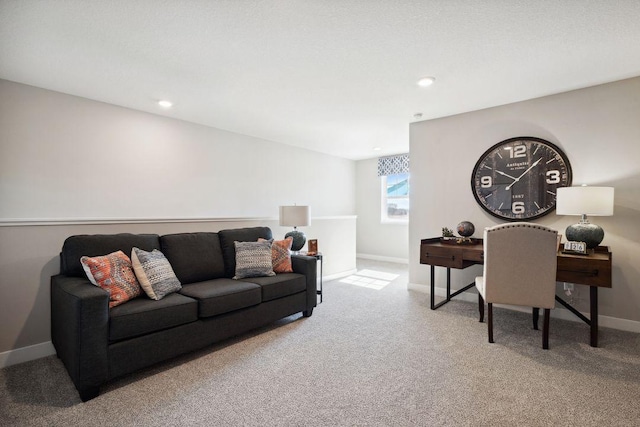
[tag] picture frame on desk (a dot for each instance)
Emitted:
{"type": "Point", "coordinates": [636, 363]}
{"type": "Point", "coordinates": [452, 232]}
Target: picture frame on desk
{"type": "Point", "coordinates": [312, 247]}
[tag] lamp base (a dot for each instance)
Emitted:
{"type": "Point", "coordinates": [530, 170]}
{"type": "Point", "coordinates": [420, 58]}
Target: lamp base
{"type": "Point", "coordinates": [586, 232]}
{"type": "Point", "coordinates": [299, 239]}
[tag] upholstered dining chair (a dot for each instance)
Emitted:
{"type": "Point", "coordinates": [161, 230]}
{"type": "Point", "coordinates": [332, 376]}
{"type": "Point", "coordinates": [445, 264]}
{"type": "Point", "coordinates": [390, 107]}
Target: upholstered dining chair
{"type": "Point", "coordinates": [519, 269]}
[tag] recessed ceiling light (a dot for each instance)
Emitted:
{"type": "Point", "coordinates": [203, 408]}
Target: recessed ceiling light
{"type": "Point", "coordinates": [377, 148]}
{"type": "Point", "coordinates": [165, 104]}
{"type": "Point", "coordinates": [417, 116]}
{"type": "Point", "coordinates": [426, 81]}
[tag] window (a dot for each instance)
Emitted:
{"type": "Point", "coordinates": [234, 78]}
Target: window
{"type": "Point", "coordinates": [395, 178]}
{"type": "Point", "coordinates": [395, 197]}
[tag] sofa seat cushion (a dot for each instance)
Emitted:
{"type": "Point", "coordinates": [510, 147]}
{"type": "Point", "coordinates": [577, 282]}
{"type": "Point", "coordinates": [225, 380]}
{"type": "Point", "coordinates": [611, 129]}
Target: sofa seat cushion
{"type": "Point", "coordinates": [220, 296]}
{"type": "Point", "coordinates": [141, 316]}
{"type": "Point", "coordinates": [279, 286]}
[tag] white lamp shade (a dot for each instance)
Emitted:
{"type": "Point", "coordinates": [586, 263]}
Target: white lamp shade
{"type": "Point", "coordinates": [294, 216]}
{"type": "Point", "coordinates": [592, 201]}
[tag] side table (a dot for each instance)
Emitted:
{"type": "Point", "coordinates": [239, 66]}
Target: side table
{"type": "Point", "coordinates": [318, 257]}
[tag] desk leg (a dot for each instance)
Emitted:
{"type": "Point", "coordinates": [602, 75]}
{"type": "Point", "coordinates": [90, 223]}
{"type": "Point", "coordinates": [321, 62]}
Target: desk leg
{"type": "Point", "coordinates": [449, 294]}
{"type": "Point", "coordinates": [433, 287]}
{"type": "Point", "coordinates": [593, 299]}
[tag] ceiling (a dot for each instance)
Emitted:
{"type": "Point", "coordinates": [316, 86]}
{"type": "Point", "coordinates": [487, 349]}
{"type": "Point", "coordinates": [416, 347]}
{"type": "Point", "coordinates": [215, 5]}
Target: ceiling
{"type": "Point", "coordinates": [338, 77]}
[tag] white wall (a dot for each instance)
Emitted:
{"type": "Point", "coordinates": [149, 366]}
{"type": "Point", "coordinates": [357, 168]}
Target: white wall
{"type": "Point", "coordinates": [70, 165]}
{"type": "Point", "coordinates": [599, 130]}
{"type": "Point", "coordinates": [376, 240]}
{"type": "Point", "coordinates": [68, 157]}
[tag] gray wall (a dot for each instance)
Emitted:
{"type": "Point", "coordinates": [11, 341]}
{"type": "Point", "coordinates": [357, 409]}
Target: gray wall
{"type": "Point", "coordinates": [376, 240]}
{"type": "Point", "coordinates": [69, 165]}
{"type": "Point", "coordinates": [599, 130]}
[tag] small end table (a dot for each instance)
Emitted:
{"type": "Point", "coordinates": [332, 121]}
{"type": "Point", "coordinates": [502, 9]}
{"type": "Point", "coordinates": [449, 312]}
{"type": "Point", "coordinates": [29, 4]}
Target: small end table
{"type": "Point", "coordinates": [318, 257]}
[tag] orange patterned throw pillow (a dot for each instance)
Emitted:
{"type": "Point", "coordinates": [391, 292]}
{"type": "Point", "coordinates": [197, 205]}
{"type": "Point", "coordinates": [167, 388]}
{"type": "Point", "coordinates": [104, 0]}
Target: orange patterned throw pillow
{"type": "Point", "coordinates": [113, 273]}
{"type": "Point", "coordinates": [281, 255]}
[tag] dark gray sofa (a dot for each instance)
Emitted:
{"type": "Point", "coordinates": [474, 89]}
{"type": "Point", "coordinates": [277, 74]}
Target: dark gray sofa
{"type": "Point", "coordinates": [97, 344]}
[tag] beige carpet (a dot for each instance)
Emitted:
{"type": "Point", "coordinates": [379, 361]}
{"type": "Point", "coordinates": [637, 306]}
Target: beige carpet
{"type": "Point", "coordinates": [372, 354]}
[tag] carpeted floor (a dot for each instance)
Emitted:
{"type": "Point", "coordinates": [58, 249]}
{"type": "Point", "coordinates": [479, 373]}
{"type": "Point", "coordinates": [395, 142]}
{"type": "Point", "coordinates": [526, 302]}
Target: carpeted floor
{"type": "Point", "coordinates": [372, 354]}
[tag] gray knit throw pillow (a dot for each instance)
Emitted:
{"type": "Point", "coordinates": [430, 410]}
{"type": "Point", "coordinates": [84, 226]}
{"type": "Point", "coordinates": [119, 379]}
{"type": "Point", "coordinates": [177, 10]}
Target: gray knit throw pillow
{"type": "Point", "coordinates": [253, 259]}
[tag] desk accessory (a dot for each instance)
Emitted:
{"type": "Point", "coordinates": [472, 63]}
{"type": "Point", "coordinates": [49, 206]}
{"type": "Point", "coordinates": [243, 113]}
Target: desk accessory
{"type": "Point", "coordinates": [571, 247]}
{"type": "Point", "coordinates": [583, 201]}
{"type": "Point", "coordinates": [466, 229]}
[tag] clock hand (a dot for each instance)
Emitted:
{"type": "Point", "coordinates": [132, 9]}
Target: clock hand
{"type": "Point", "coordinates": [524, 173]}
{"type": "Point", "coordinates": [507, 175]}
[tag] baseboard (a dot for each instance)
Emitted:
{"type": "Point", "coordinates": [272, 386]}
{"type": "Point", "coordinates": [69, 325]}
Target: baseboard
{"type": "Point", "coordinates": [37, 351]}
{"type": "Point", "coordinates": [25, 354]}
{"type": "Point", "coordinates": [383, 258]}
{"type": "Point", "coordinates": [558, 312]}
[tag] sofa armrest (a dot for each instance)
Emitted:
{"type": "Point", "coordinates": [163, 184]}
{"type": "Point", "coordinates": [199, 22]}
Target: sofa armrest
{"type": "Point", "coordinates": [308, 266]}
{"type": "Point", "coordinates": [80, 330]}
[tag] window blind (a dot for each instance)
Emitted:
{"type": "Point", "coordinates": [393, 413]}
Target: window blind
{"type": "Point", "coordinates": [392, 165]}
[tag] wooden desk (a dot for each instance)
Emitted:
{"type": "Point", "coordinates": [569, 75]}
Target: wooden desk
{"type": "Point", "coordinates": [593, 270]}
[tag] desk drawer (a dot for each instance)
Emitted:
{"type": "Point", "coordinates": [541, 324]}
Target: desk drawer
{"type": "Point", "coordinates": [443, 257]}
{"type": "Point", "coordinates": [473, 255]}
{"type": "Point", "coordinates": [584, 271]}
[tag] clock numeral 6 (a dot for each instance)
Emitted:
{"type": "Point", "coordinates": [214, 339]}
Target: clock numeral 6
{"type": "Point", "coordinates": [486, 182]}
{"type": "Point", "coordinates": [517, 207]}
{"type": "Point", "coordinates": [553, 177]}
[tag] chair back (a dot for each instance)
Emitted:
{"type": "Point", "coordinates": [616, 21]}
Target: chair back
{"type": "Point", "coordinates": [520, 262]}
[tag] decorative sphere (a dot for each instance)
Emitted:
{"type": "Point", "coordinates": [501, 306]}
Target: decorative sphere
{"type": "Point", "coordinates": [466, 229]}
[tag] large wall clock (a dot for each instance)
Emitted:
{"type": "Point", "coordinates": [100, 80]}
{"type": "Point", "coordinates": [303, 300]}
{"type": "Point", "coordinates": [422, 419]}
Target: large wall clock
{"type": "Point", "coordinates": [517, 179]}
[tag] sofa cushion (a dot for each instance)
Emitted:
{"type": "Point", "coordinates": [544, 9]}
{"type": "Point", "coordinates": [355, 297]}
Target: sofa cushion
{"type": "Point", "coordinates": [113, 273]}
{"type": "Point", "coordinates": [142, 316]}
{"type": "Point", "coordinates": [195, 257]}
{"type": "Point", "coordinates": [222, 295]}
{"type": "Point", "coordinates": [154, 273]}
{"type": "Point", "coordinates": [91, 245]}
{"type": "Point", "coordinates": [227, 237]}
{"type": "Point", "coordinates": [253, 259]}
{"type": "Point", "coordinates": [280, 285]}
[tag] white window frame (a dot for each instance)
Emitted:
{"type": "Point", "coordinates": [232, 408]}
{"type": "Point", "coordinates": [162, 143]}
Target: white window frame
{"type": "Point", "coordinates": [384, 205]}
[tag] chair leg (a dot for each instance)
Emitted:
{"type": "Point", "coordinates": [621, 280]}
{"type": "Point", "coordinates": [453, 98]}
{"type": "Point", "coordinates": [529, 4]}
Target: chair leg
{"type": "Point", "coordinates": [481, 307]}
{"type": "Point", "coordinates": [545, 329]}
{"type": "Point", "coordinates": [490, 321]}
{"type": "Point", "coordinates": [536, 315]}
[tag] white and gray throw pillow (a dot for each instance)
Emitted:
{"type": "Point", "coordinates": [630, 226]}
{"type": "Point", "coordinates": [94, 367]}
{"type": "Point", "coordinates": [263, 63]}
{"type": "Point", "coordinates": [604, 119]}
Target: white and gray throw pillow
{"type": "Point", "coordinates": [253, 259]}
{"type": "Point", "coordinates": [154, 273]}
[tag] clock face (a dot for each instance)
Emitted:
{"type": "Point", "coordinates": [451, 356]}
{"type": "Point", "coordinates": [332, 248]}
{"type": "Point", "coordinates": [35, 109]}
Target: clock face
{"type": "Point", "coordinates": [517, 179]}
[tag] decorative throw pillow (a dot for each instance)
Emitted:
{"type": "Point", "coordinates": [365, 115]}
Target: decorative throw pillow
{"type": "Point", "coordinates": [114, 274]}
{"type": "Point", "coordinates": [154, 273]}
{"type": "Point", "coordinates": [253, 259]}
{"type": "Point", "coordinates": [281, 255]}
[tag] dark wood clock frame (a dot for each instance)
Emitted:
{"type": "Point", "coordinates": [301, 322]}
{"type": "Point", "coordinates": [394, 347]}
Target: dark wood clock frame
{"type": "Point", "coordinates": [516, 179]}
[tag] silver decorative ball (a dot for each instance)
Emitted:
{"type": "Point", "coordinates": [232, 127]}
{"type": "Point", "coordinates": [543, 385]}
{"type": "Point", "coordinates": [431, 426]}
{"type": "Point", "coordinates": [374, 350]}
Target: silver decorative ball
{"type": "Point", "coordinates": [466, 229]}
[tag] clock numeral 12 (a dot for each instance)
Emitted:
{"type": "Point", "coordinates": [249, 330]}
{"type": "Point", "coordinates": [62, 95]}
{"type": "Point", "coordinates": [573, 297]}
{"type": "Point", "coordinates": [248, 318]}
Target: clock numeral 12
{"type": "Point", "coordinates": [517, 151]}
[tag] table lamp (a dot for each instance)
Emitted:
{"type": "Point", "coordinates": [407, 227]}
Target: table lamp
{"type": "Point", "coordinates": [594, 201]}
{"type": "Point", "coordinates": [295, 216]}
